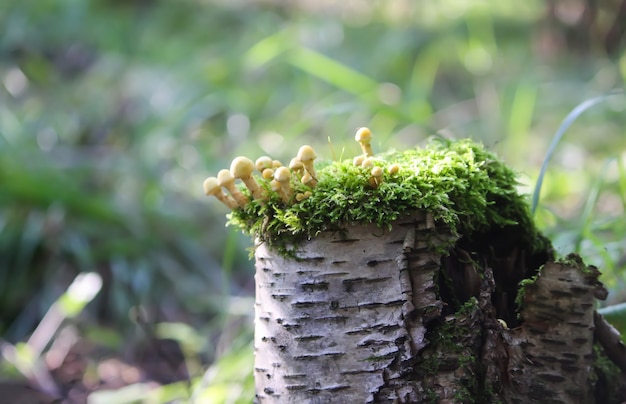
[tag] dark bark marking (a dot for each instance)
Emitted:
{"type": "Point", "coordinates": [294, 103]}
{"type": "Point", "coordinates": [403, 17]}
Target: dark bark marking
{"type": "Point", "coordinates": [373, 263]}
{"type": "Point", "coordinates": [314, 286]}
{"type": "Point", "coordinates": [315, 356]}
{"type": "Point", "coordinates": [293, 387]}
{"type": "Point", "coordinates": [305, 304]}
{"type": "Point", "coordinates": [295, 376]}
{"type": "Point", "coordinates": [330, 318]}
{"type": "Point", "coordinates": [374, 305]}
{"type": "Point", "coordinates": [308, 337]}
{"type": "Point", "coordinates": [552, 377]}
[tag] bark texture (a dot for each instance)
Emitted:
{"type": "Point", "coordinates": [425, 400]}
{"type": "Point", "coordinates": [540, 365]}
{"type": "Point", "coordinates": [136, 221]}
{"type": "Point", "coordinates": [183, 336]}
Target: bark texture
{"type": "Point", "coordinates": [400, 316]}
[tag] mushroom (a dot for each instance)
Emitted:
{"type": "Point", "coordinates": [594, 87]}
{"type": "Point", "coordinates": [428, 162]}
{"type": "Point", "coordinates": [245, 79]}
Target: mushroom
{"type": "Point", "coordinates": [224, 179]}
{"type": "Point", "coordinates": [308, 180]}
{"type": "Point", "coordinates": [268, 173]}
{"type": "Point", "coordinates": [367, 163]}
{"type": "Point", "coordinates": [296, 167]}
{"type": "Point", "coordinates": [283, 175]}
{"type": "Point", "coordinates": [262, 163]}
{"type": "Point", "coordinates": [276, 164]}
{"type": "Point", "coordinates": [302, 196]}
{"type": "Point", "coordinates": [363, 136]}
{"type": "Point", "coordinates": [211, 188]}
{"type": "Point", "coordinates": [377, 177]}
{"type": "Point", "coordinates": [242, 168]}
{"type": "Point", "coordinates": [393, 169]}
{"type": "Point", "coordinates": [358, 160]}
{"type": "Point", "coordinates": [306, 155]}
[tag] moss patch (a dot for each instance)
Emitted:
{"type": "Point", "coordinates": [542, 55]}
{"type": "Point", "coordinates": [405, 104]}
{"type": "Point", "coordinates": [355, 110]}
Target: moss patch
{"type": "Point", "coordinates": [463, 185]}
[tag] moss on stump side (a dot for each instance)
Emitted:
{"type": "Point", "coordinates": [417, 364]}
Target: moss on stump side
{"type": "Point", "coordinates": [459, 182]}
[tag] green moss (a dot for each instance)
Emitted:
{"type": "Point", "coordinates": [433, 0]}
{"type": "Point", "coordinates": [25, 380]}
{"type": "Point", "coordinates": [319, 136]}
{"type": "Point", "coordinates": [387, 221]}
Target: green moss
{"type": "Point", "coordinates": [463, 185]}
{"type": "Point", "coordinates": [521, 291]}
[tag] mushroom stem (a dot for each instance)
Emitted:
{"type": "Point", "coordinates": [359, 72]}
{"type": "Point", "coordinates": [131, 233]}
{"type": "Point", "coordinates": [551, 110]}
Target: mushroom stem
{"type": "Point", "coordinates": [211, 188]}
{"type": "Point", "coordinates": [282, 175]}
{"type": "Point", "coordinates": [224, 179]}
{"type": "Point", "coordinates": [242, 168]}
{"type": "Point", "coordinates": [277, 187]}
{"type": "Point", "coordinates": [364, 136]}
{"type": "Point", "coordinates": [377, 177]}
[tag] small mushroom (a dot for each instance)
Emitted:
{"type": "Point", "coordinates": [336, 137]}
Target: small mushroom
{"type": "Point", "coordinates": [276, 164]}
{"type": "Point", "coordinates": [377, 177]}
{"type": "Point", "coordinates": [367, 163]}
{"type": "Point", "coordinates": [224, 179]}
{"type": "Point", "coordinates": [268, 174]}
{"type": "Point", "coordinates": [364, 136]}
{"type": "Point", "coordinates": [306, 155]}
{"type": "Point", "coordinates": [308, 180]}
{"type": "Point", "coordinates": [242, 168]}
{"type": "Point", "coordinates": [211, 188]}
{"type": "Point", "coordinates": [262, 163]}
{"type": "Point", "coordinates": [358, 160]}
{"type": "Point", "coordinates": [283, 175]}
{"type": "Point", "coordinates": [302, 196]}
{"type": "Point", "coordinates": [393, 169]}
{"type": "Point", "coordinates": [296, 167]}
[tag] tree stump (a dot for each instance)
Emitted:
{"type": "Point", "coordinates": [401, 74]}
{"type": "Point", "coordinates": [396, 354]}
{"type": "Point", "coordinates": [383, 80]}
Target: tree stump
{"type": "Point", "coordinates": [371, 316]}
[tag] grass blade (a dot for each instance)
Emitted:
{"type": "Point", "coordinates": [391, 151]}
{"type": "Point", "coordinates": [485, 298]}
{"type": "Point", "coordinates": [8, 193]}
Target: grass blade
{"type": "Point", "coordinates": [565, 124]}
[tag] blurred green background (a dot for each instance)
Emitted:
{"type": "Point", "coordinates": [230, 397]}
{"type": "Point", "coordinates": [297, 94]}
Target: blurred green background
{"type": "Point", "coordinates": [113, 112]}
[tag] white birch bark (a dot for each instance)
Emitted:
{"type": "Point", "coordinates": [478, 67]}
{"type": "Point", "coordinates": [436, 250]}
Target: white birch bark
{"type": "Point", "coordinates": [341, 321]}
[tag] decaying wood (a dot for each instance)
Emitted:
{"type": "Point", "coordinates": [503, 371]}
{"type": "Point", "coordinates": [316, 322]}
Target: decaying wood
{"type": "Point", "coordinates": [373, 315]}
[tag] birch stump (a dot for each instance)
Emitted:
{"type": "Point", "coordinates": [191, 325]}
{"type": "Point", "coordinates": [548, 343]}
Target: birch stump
{"type": "Point", "coordinates": [358, 317]}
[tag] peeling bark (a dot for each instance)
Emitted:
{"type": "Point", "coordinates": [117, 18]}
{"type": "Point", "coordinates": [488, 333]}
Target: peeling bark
{"type": "Point", "coordinates": [405, 316]}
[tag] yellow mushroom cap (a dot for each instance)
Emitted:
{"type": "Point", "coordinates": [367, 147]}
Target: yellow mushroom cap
{"type": "Point", "coordinates": [268, 173]}
{"type": "Point", "coordinates": [363, 135]}
{"type": "Point", "coordinates": [263, 162]}
{"type": "Point", "coordinates": [307, 179]}
{"type": "Point", "coordinates": [296, 165]}
{"type": "Point", "coordinates": [241, 167]}
{"type": "Point", "coordinates": [367, 163]}
{"type": "Point", "coordinates": [306, 153]}
{"type": "Point", "coordinates": [377, 171]}
{"type": "Point", "coordinates": [224, 177]}
{"type": "Point", "coordinates": [282, 174]}
{"type": "Point", "coordinates": [210, 186]}
{"type": "Point", "coordinates": [394, 168]}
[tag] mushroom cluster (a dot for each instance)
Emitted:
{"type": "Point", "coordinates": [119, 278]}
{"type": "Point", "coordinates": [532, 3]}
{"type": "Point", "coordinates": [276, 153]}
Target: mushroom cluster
{"type": "Point", "coordinates": [282, 180]}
